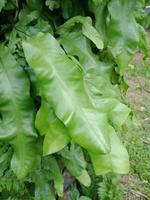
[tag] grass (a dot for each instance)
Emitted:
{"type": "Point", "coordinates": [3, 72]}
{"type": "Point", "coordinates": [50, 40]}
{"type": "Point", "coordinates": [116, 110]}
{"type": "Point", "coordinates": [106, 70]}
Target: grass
{"type": "Point", "coordinates": [137, 139]}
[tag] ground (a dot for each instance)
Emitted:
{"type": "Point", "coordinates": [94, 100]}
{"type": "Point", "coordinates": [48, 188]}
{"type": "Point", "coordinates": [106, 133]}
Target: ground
{"type": "Point", "coordinates": [137, 138]}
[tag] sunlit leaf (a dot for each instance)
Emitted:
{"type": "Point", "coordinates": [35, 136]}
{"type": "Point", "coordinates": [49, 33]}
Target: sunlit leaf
{"type": "Point", "coordinates": [116, 161]}
{"type": "Point", "coordinates": [70, 102]}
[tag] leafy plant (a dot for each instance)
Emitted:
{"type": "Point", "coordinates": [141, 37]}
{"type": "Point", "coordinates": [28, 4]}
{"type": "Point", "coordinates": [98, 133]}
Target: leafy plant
{"type": "Point", "coordinates": [110, 188]}
{"type": "Point", "coordinates": [62, 92]}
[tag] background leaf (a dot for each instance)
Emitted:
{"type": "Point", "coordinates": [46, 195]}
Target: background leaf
{"type": "Point", "coordinates": [74, 161]}
{"type": "Point", "coordinates": [16, 108]}
{"type": "Point", "coordinates": [2, 4]}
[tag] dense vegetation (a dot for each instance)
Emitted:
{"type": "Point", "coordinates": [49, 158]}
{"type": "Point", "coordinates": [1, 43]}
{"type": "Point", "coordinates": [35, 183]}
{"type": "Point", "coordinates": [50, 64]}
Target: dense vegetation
{"type": "Point", "coordinates": [63, 96]}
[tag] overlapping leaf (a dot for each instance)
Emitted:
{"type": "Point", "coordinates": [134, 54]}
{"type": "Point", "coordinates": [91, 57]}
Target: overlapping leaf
{"type": "Point", "coordinates": [100, 10]}
{"type": "Point", "coordinates": [56, 176]}
{"type": "Point", "coordinates": [75, 35]}
{"type": "Point", "coordinates": [43, 190]}
{"type": "Point", "coordinates": [2, 4]}
{"type": "Point", "coordinates": [74, 161]}
{"type": "Point", "coordinates": [16, 108]}
{"type": "Point", "coordinates": [122, 41]}
{"type": "Point", "coordinates": [56, 134]}
{"type": "Point", "coordinates": [106, 97]}
{"type": "Point", "coordinates": [86, 27]}
{"type": "Point", "coordinates": [116, 161]}
{"type": "Point", "coordinates": [48, 76]}
{"type": "Point", "coordinates": [79, 86]}
{"type": "Point", "coordinates": [70, 102]}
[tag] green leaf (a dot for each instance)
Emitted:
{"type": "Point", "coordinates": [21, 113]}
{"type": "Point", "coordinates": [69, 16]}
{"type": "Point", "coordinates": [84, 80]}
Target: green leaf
{"type": "Point", "coordinates": [10, 5]}
{"type": "Point", "coordinates": [96, 2]}
{"type": "Point", "coordinates": [84, 198]}
{"type": "Point", "coordinates": [72, 8]}
{"type": "Point", "coordinates": [122, 42]}
{"type": "Point", "coordinates": [26, 16]}
{"type": "Point", "coordinates": [44, 117]}
{"type": "Point", "coordinates": [70, 102]}
{"type": "Point", "coordinates": [2, 4]}
{"type": "Point", "coordinates": [100, 10]}
{"type": "Point", "coordinates": [56, 134]}
{"type": "Point", "coordinates": [56, 176]}
{"type": "Point", "coordinates": [74, 161]}
{"type": "Point", "coordinates": [87, 29]}
{"type": "Point", "coordinates": [74, 193]}
{"type": "Point", "coordinates": [143, 43]}
{"type": "Point", "coordinates": [43, 190]}
{"type": "Point", "coordinates": [116, 161]}
{"type": "Point", "coordinates": [77, 44]}
{"type": "Point", "coordinates": [16, 109]}
{"type": "Point", "coordinates": [40, 26]}
{"type": "Point", "coordinates": [34, 4]}
{"type": "Point", "coordinates": [105, 97]}
{"type": "Point", "coordinates": [53, 4]}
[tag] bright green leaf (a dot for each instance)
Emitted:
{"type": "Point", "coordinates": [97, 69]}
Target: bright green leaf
{"type": "Point", "coordinates": [70, 102]}
{"type": "Point", "coordinates": [116, 161]}
{"type": "Point", "coordinates": [56, 134]}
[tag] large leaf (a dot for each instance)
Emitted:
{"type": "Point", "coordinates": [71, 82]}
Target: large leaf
{"type": "Point", "coordinates": [116, 161]}
{"type": "Point", "coordinates": [70, 102]}
{"type": "Point", "coordinates": [104, 98]}
{"type": "Point", "coordinates": [17, 113]}
{"type": "Point", "coordinates": [122, 42]}
{"type": "Point", "coordinates": [56, 134]}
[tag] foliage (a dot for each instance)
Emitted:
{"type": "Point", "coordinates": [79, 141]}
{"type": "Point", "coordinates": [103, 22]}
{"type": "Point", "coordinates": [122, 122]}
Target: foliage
{"type": "Point", "coordinates": [137, 138]}
{"type": "Point", "coordinates": [110, 188]}
{"type": "Point", "coordinates": [62, 67]}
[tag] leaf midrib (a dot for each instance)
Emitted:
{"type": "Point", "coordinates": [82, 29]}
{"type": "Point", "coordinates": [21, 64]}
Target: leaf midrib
{"type": "Point", "coordinates": [58, 76]}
